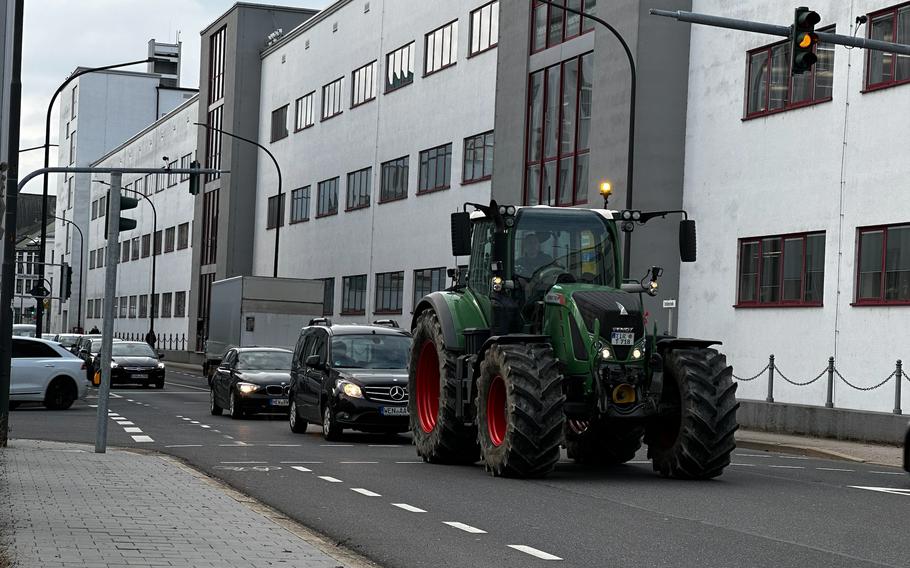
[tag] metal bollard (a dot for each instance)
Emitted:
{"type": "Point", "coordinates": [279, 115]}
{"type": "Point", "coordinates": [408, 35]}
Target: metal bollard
{"type": "Point", "coordinates": [830, 402]}
{"type": "Point", "coordinates": [770, 397]}
{"type": "Point", "coordinates": [898, 374]}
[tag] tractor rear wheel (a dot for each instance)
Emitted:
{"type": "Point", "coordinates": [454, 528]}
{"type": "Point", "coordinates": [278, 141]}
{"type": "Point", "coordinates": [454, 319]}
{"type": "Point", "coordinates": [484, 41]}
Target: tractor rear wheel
{"type": "Point", "coordinates": [520, 410]}
{"type": "Point", "coordinates": [440, 436]}
{"type": "Point", "coordinates": [605, 443]}
{"type": "Point", "coordinates": [696, 441]}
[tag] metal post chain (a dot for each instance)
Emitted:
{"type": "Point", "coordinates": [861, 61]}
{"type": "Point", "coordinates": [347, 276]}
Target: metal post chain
{"type": "Point", "coordinates": [753, 377]}
{"type": "Point", "coordinates": [797, 383]}
{"type": "Point", "coordinates": [851, 385]}
{"type": "Point", "coordinates": [906, 376]}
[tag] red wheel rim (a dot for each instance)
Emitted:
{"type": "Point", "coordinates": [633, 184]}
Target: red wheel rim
{"type": "Point", "coordinates": [497, 421]}
{"type": "Point", "coordinates": [427, 386]}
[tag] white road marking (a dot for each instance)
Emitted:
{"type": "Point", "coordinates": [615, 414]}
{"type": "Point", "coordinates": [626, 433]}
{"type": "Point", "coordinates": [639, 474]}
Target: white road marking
{"type": "Point", "coordinates": [337, 445]}
{"type": "Point", "coordinates": [889, 472]}
{"type": "Point", "coordinates": [205, 425]}
{"type": "Point", "coordinates": [194, 422]}
{"type": "Point", "coordinates": [247, 462]}
{"type": "Point", "coordinates": [296, 461]}
{"type": "Point", "coordinates": [834, 469]}
{"type": "Point", "coordinates": [744, 464]}
{"type": "Point", "coordinates": [386, 445]}
{"type": "Point", "coordinates": [639, 461]}
{"type": "Point", "coordinates": [132, 430]}
{"type": "Point", "coordinates": [464, 527]}
{"type": "Point", "coordinates": [186, 386]}
{"type": "Point", "coordinates": [185, 446]}
{"type": "Point", "coordinates": [93, 406]}
{"type": "Point", "coordinates": [228, 437]}
{"type": "Point", "coordinates": [892, 490]}
{"type": "Point", "coordinates": [284, 445]}
{"type": "Point", "coordinates": [300, 468]}
{"type": "Point", "coordinates": [143, 439]}
{"type": "Point", "coordinates": [410, 508]}
{"type": "Point", "coordinates": [129, 400]}
{"type": "Point", "coordinates": [787, 466]}
{"type": "Point", "coordinates": [534, 552]}
{"type": "Point", "coordinates": [187, 419]}
{"type": "Point", "coordinates": [329, 479]}
{"type": "Point", "coordinates": [179, 416]}
{"type": "Point", "coordinates": [234, 445]}
{"type": "Point", "coordinates": [114, 395]}
{"type": "Point", "coordinates": [125, 423]}
{"type": "Point", "coordinates": [410, 462]}
{"type": "Point", "coordinates": [365, 492]}
{"type": "Point", "coordinates": [354, 462]}
{"type": "Point", "coordinates": [793, 457]}
{"type": "Point", "coordinates": [753, 455]}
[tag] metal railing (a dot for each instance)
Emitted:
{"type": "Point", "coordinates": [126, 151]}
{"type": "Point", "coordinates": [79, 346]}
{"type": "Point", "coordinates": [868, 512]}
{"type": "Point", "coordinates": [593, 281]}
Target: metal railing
{"type": "Point", "coordinates": [169, 341]}
{"type": "Point", "coordinates": [831, 372]}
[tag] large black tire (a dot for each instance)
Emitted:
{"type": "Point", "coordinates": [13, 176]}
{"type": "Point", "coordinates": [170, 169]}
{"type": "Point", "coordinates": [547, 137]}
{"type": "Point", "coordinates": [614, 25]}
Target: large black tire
{"type": "Point", "coordinates": [605, 443]}
{"type": "Point", "coordinates": [695, 443]}
{"type": "Point", "coordinates": [297, 423]}
{"type": "Point", "coordinates": [440, 437]}
{"type": "Point", "coordinates": [520, 414]}
{"type": "Point", "coordinates": [60, 394]}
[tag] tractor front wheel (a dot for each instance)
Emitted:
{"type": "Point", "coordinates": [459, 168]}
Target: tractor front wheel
{"type": "Point", "coordinates": [695, 442]}
{"type": "Point", "coordinates": [605, 443]}
{"type": "Point", "coordinates": [520, 417]}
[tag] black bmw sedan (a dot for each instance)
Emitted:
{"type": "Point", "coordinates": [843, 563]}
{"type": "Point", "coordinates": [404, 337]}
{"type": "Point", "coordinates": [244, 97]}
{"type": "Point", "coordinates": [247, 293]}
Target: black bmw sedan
{"type": "Point", "coordinates": [250, 380]}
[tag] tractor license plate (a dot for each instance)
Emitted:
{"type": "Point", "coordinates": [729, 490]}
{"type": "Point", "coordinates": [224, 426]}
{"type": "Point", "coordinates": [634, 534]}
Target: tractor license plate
{"type": "Point", "coordinates": [394, 410]}
{"type": "Point", "coordinates": [622, 338]}
{"type": "Point", "coordinates": [279, 402]}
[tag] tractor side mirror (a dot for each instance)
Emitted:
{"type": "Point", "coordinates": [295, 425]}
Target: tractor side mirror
{"type": "Point", "coordinates": [688, 248]}
{"type": "Point", "coordinates": [461, 233]}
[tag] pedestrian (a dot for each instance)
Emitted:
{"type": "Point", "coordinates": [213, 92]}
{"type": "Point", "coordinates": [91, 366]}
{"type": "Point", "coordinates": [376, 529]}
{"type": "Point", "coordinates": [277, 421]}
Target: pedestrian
{"type": "Point", "coordinates": [94, 330]}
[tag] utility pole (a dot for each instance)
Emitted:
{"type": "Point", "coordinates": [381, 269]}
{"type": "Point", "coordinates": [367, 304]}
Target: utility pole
{"type": "Point", "coordinates": [107, 323]}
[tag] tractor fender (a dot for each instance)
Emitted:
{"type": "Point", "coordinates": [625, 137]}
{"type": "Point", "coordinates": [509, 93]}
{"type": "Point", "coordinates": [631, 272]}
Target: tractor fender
{"type": "Point", "coordinates": [437, 302]}
{"type": "Point", "coordinates": [666, 342]}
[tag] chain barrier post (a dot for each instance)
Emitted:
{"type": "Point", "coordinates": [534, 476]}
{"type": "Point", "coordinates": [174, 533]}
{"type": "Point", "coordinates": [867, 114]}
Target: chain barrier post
{"type": "Point", "coordinates": [829, 403]}
{"type": "Point", "coordinates": [770, 397]}
{"type": "Point", "coordinates": [898, 373]}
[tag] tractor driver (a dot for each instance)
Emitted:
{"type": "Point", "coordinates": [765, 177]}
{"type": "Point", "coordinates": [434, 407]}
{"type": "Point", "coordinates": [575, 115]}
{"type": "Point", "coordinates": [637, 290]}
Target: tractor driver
{"type": "Point", "coordinates": [532, 258]}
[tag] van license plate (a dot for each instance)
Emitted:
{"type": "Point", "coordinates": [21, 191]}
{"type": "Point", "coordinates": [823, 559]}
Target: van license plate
{"type": "Point", "coordinates": [279, 402]}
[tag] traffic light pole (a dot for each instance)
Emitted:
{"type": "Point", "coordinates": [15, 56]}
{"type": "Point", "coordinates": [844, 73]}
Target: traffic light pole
{"type": "Point", "coordinates": [107, 324]}
{"type": "Point", "coordinates": [81, 267]}
{"type": "Point", "coordinates": [784, 31]}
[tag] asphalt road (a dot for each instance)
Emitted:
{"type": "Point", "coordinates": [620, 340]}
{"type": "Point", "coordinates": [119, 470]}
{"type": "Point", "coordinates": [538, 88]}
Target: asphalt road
{"type": "Point", "coordinates": [373, 494]}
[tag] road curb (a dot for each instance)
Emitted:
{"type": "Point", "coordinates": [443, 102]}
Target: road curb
{"type": "Point", "coordinates": [798, 450]}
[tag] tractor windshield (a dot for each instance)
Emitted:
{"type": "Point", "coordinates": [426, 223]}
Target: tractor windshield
{"type": "Point", "coordinates": [552, 245]}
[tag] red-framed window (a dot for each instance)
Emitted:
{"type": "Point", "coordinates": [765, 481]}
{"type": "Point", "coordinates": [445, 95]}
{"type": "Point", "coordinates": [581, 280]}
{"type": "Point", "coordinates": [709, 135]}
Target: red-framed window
{"type": "Point", "coordinates": [552, 26]}
{"type": "Point", "coordinates": [478, 158]}
{"type": "Point", "coordinates": [440, 48]}
{"type": "Point", "coordinates": [781, 270]}
{"type": "Point", "coordinates": [363, 84]}
{"type": "Point", "coordinates": [557, 147]}
{"type": "Point", "coordinates": [885, 69]}
{"type": "Point", "coordinates": [883, 265]}
{"type": "Point", "coordinates": [771, 89]}
{"type": "Point", "coordinates": [389, 292]}
{"type": "Point", "coordinates": [353, 295]}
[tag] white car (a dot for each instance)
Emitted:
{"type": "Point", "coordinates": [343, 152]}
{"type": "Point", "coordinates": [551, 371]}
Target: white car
{"type": "Point", "coordinates": [43, 371]}
{"type": "Point", "coordinates": [24, 330]}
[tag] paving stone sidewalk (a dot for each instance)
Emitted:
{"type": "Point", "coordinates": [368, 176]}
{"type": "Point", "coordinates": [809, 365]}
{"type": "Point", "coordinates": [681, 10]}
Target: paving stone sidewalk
{"type": "Point", "coordinates": [64, 505]}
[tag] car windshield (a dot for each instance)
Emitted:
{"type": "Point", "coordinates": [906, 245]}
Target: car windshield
{"type": "Point", "coordinates": [369, 351]}
{"type": "Point", "coordinates": [96, 346]}
{"type": "Point", "coordinates": [67, 340]}
{"type": "Point", "coordinates": [130, 350]}
{"type": "Point", "coordinates": [264, 361]}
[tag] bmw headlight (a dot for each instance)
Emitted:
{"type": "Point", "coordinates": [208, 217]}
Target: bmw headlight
{"type": "Point", "coordinates": [247, 388]}
{"type": "Point", "coordinates": [349, 388]}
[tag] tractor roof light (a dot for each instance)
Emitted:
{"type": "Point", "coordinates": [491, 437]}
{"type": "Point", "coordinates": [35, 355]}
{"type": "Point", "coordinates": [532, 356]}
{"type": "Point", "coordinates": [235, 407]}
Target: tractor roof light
{"type": "Point", "coordinates": [606, 189]}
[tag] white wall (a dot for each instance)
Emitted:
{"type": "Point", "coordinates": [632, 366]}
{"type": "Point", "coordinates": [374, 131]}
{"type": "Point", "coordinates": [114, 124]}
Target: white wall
{"type": "Point", "coordinates": [783, 174]}
{"type": "Point", "coordinates": [444, 107]}
{"type": "Point", "coordinates": [173, 136]}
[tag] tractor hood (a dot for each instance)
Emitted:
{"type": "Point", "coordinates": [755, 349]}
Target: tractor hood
{"type": "Point", "coordinates": [620, 314]}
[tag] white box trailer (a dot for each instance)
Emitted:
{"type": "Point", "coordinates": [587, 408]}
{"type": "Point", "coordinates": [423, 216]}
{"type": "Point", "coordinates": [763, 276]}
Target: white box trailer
{"type": "Point", "coordinates": [257, 311]}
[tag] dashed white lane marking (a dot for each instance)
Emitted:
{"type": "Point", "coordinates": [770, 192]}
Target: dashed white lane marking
{"type": "Point", "coordinates": [115, 395]}
{"type": "Point", "coordinates": [834, 469]}
{"type": "Point", "coordinates": [410, 462]}
{"type": "Point", "coordinates": [365, 492]}
{"type": "Point", "coordinates": [187, 419]}
{"type": "Point", "coordinates": [464, 527]}
{"type": "Point", "coordinates": [355, 462]}
{"type": "Point", "coordinates": [888, 472]}
{"type": "Point", "coordinates": [125, 423]}
{"type": "Point", "coordinates": [891, 490]}
{"type": "Point", "coordinates": [228, 437]}
{"type": "Point", "coordinates": [143, 439]}
{"type": "Point", "coordinates": [300, 468]}
{"type": "Point", "coordinates": [284, 445]}
{"type": "Point", "coordinates": [205, 425]}
{"type": "Point", "coordinates": [386, 445]}
{"type": "Point", "coordinates": [194, 422]}
{"type": "Point", "coordinates": [185, 446]}
{"type": "Point", "coordinates": [186, 386]}
{"type": "Point", "coordinates": [132, 430]}
{"type": "Point", "coordinates": [129, 400]}
{"type": "Point", "coordinates": [298, 461]}
{"type": "Point", "coordinates": [752, 455]}
{"type": "Point", "coordinates": [793, 457]}
{"type": "Point", "coordinates": [247, 462]}
{"type": "Point", "coordinates": [744, 464]}
{"type": "Point", "coordinates": [639, 462]}
{"type": "Point", "coordinates": [534, 552]}
{"type": "Point", "coordinates": [329, 479]}
{"type": "Point", "coordinates": [787, 466]}
{"type": "Point", "coordinates": [409, 508]}
{"type": "Point", "coordinates": [337, 445]}
{"type": "Point", "coordinates": [93, 406]}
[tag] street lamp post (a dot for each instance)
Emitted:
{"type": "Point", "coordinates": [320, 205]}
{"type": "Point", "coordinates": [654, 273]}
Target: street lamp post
{"type": "Point", "coordinates": [627, 242]}
{"type": "Point", "coordinates": [39, 312]}
{"type": "Point", "coordinates": [81, 267]}
{"type": "Point", "coordinates": [280, 194]}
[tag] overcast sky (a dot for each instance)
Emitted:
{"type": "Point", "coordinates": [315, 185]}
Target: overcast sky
{"type": "Point", "coordinates": [61, 35]}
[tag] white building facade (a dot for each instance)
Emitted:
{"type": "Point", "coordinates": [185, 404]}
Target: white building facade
{"type": "Point", "coordinates": [801, 195]}
{"type": "Point", "coordinates": [167, 143]}
{"type": "Point", "coordinates": [381, 117]}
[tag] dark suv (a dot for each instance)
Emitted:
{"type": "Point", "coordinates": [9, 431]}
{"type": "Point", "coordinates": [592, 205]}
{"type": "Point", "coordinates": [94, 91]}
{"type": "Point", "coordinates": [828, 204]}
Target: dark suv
{"type": "Point", "coordinates": [350, 376]}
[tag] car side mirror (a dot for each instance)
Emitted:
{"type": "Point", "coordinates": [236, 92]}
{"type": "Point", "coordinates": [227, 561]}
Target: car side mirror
{"type": "Point", "coordinates": [461, 233]}
{"type": "Point", "coordinates": [315, 361]}
{"type": "Point", "coordinates": [688, 249]}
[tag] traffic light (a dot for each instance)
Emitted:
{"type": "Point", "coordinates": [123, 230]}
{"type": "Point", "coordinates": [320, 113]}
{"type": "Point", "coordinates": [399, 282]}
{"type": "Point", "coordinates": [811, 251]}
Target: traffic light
{"type": "Point", "coordinates": [194, 178]}
{"type": "Point", "coordinates": [125, 224]}
{"type": "Point", "coordinates": [66, 281]}
{"type": "Point", "coordinates": [803, 40]}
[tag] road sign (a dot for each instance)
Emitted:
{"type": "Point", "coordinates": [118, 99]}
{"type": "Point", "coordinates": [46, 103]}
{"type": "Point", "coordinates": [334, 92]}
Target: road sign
{"type": "Point", "coordinates": [669, 304]}
{"type": "Point", "coordinates": [39, 291]}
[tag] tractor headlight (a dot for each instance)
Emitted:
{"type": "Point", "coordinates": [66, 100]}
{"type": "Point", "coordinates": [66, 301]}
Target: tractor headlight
{"type": "Point", "coordinates": [497, 283]}
{"type": "Point", "coordinates": [247, 388]}
{"type": "Point", "coordinates": [349, 389]}
{"type": "Point", "coordinates": [510, 210]}
{"type": "Point", "coordinates": [606, 353]}
{"type": "Point", "coordinates": [637, 353]}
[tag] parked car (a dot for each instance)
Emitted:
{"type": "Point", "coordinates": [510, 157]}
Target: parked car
{"type": "Point", "coordinates": [24, 330]}
{"type": "Point", "coordinates": [43, 371]}
{"type": "Point", "coordinates": [135, 362]}
{"type": "Point", "coordinates": [350, 376]}
{"type": "Point", "coordinates": [249, 380]}
{"type": "Point", "coordinates": [66, 340]}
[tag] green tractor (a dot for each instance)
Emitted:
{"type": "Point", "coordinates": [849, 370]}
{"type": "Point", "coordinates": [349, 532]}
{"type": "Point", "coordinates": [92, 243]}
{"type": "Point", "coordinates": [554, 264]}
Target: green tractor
{"type": "Point", "coordinates": [542, 345]}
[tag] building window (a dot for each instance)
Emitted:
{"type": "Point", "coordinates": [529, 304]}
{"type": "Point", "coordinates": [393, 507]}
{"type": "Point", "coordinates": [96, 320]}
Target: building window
{"type": "Point", "coordinates": [94, 210]}
{"type": "Point", "coordinates": [428, 280]}
{"type": "Point", "coordinates": [172, 177]}
{"type": "Point", "coordinates": [552, 25]}
{"type": "Point", "coordinates": [158, 241]}
{"type": "Point", "coordinates": [389, 292]}
{"type": "Point", "coordinates": [89, 308]}
{"type": "Point", "coordinates": [303, 112]}
{"type": "Point", "coordinates": [216, 66]}
{"type": "Point", "coordinates": [328, 298]}
{"type": "Point", "coordinates": [559, 125]}
{"type": "Point", "coordinates": [300, 204]}
{"type": "Point", "coordinates": [363, 84]}
{"type": "Point", "coordinates": [135, 249]}
{"type": "Point", "coordinates": [91, 260]}
{"type": "Point", "coordinates": [99, 305]}
{"type": "Point", "coordinates": [143, 306]}
{"type": "Point", "coordinates": [327, 198]}
{"type": "Point", "coordinates": [155, 302]}
{"type": "Point", "coordinates": [146, 245]}
{"type": "Point", "coordinates": [102, 206]}
{"type": "Point", "coordinates": [478, 158]}
{"type": "Point", "coordinates": [770, 87]}
{"type": "Point", "coordinates": [435, 169]}
{"type": "Point", "coordinates": [883, 265]}
{"type": "Point", "coordinates": [169, 235]}
{"type": "Point", "coordinates": [99, 259]}
{"type": "Point", "coordinates": [399, 66]}
{"type": "Point", "coordinates": [353, 295]}
{"type": "Point", "coordinates": [885, 69]}
{"type": "Point", "coordinates": [73, 148]}
{"type": "Point", "coordinates": [781, 270]}
{"type": "Point", "coordinates": [183, 236]}
{"type": "Point", "coordinates": [140, 187]}
{"type": "Point", "coordinates": [275, 212]}
{"type": "Point", "coordinates": [125, 251]}
{"type": "Point", "coordinates": [441, 48]}
{"type": "Point", "coordinates": [279, 123]}
{"type": "Point", "coordinates": [213, 141]}
{"type": "Point", "coordinates": [133, 305]}
{"type": "Point", "coordinates": [210, 226]}
{"type": "Point", "coordinates": [185, 162]}
{"type": "Point", "coordinates": [166, 305]}
{"type": "Point", "coordinates": [332, 98]}
{"type": "Point", "coordinates": [484, 28]}
{"type": "Point", "coordinates": [180, 304]}
{"type": "Point", "coordinates": [359, 189]}
{"type": "Point", "coordinates": [74, 101]}
{"type": "Point", "coordinates": [394, 180]}
{"type": "Point", "coordinates": [149, 184]}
